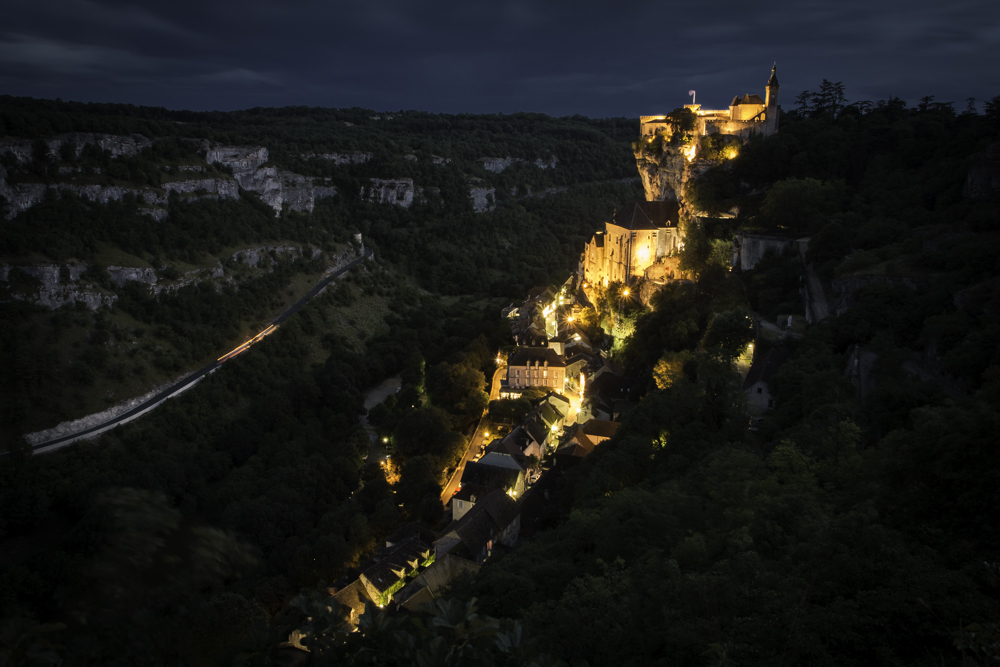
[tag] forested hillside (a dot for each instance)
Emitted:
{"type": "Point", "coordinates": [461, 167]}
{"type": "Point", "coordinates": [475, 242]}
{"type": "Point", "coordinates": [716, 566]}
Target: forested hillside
{"type": "Point", "coordinates": [186, 532]}
{"type": "Point", "coordinates": [842, 529]}
{"type": "Point", "coordinates": [195, 244]}
{"type": "Point", "coordinates": [855, 523]}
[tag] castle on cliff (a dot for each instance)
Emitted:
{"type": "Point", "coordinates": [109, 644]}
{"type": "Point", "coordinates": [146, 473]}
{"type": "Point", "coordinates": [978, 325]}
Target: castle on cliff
{"type": "Point", "coordinates": [745, 116]}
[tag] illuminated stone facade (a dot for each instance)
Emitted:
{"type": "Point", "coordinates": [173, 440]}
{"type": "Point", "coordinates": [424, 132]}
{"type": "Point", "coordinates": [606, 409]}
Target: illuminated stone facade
{"type": "Point", "coordinates": [637, 236]}
{"type": "Point", "coordinates": [536, 367]}
{"type": "Point", "coordinates": [746, 115]}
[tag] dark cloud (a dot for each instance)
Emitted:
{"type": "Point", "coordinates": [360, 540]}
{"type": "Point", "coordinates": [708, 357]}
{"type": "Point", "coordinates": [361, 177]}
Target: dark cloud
{"type": "Point", "coordinates": [594, 58]}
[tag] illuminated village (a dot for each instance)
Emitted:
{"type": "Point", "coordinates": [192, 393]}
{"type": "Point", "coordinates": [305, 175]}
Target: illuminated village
{"type": "Point", "coordinates": [577, 394]}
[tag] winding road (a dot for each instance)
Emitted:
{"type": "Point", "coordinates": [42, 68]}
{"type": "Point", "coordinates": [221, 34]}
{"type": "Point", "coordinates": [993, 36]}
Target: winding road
{"type": "Point", "coordinates": [197, 376]}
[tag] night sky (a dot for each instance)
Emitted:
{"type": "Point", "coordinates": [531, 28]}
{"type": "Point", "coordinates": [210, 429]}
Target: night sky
{"type": "Point", "coordinates": [623, 58]}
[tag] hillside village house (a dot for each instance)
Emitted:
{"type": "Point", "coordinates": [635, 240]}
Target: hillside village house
{"type": "Point", "coordinates": [637, 236]}
{"type": "Point", "coordinates": [536, 367]}
{"type": "Point", "coordinates": [755, 385]}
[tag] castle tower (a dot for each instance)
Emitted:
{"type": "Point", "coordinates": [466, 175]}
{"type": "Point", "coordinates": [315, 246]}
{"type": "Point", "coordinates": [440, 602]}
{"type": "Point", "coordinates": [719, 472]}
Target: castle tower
{"type": "Point", "coordinates": [771, 103]}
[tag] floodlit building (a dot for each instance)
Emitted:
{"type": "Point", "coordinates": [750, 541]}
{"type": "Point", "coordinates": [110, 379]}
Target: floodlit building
{"type": "Point", "coordinates": [747, 114]}
{"type": "Point", "coordinates": [536, 367]}
{"type": "Point", "coordinates": [637, 236]}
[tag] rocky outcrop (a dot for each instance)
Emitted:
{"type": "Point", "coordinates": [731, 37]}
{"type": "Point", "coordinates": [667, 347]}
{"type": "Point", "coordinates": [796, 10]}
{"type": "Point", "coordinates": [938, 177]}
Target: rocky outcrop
{"type": "Point", "coordinates": [267, 254]}
{"type": "Point", "coordinates": [23, 196]}
{"type": "Point", "coordinates": [123, 274]}
{"type": "Point", "coordinates": [158, 214]}
{"type": "Point", "coordinates": [748, 249]}
{"type": "Point", "coordinates": [398, 191]}
{"type": "Point", "coordinates": [341, 158]}
{"type": "Point", "coordinates": [983, 180]}
{"type": "Point", "coordinates": [276, 187]}
{"type": "Point", "coordinates": [224, 188]}
{"type": "Point", "coordinates": [116, 144]}
{"type": "Point", "coordinates": [47, 288]}
{"type": "Point", "coordinates": [498, 164]}
{"type": "Point", "coordinates": [483, 199]}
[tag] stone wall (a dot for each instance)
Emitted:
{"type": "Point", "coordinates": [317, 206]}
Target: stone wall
{"type": "Point", "coordinates": [749, 249]}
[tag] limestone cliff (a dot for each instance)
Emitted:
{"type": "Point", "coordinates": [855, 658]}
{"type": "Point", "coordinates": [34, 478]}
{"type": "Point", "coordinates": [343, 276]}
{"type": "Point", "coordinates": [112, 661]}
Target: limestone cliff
{"type": "Point", "coordinates": [983, 180]}
{"type": "Point", "coordinates": [341, 158]}
{"type": "Point", "coordinates": [498, 164]}
{"type": "Point", "coordinates": [276, 187]}
{"type": "Point", "coordinates": [54, 286]}
{"type": "Point", "coordinates": [398, 191]}
{"type": "Point", "coordinates": [665, 173]}
{"type": "Point", "coordinates": [116, 145]}
{"type": "Point", "coordinates": [483, 199]}
{"type": "Point", "coordinates": [22, 196]}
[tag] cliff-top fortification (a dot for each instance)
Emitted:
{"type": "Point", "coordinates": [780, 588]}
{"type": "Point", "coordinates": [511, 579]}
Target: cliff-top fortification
{"type": "Point", "coordinates": [676, 147]}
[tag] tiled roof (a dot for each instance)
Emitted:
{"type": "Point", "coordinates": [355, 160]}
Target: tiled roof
{"type": "Point", "coordinates": [600, 428]}
{"type": "Point", "coordinates": [488, 477]}
{"type": "Point", "coordinates": [487, 519]}
{"type": "Point", "coordinates": [405, 532]}
{"type": "Point", "coordinates": [382, 575]}
{"type": "Point", "coordinates": [523, 355]}
{"type": "Point", "coordinates": [647, 215]}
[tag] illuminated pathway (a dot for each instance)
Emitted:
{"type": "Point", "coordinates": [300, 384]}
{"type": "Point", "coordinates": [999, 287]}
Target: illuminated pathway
{"type": "Point", "coordinates": [474, 443]}
{"type": "Point", "coordinates": [194, 378]}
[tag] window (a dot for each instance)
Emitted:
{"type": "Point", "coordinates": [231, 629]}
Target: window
{"type": "Point", "coordinates": [770, 402]}
{"type": "Point", "coordinates": [760, 390]}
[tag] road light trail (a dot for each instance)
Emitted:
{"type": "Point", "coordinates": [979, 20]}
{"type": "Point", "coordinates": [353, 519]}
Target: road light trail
{"type": "Point", "coordinates": [245, 346]}
{"type": "Point", "coordinates": [192, 379]}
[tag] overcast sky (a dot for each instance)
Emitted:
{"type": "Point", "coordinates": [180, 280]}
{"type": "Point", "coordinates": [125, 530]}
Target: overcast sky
{"type": "Point", "coordinates": [622, 58]}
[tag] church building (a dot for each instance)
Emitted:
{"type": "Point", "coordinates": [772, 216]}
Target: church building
{"type": "Point", "coordinates": [639, 234]}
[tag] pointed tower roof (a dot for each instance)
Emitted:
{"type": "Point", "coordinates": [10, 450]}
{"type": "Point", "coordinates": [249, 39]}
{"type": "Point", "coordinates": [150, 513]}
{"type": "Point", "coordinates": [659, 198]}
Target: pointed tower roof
{"type": "Point", "coordinates": [773, 81]}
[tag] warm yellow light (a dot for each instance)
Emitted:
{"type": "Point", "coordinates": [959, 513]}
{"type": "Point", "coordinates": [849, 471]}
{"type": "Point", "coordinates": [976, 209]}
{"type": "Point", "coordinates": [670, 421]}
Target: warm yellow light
{"type": "Point", "coordinates": [569, 319]}
{"type": "Point", "coordinates": [625, 292]}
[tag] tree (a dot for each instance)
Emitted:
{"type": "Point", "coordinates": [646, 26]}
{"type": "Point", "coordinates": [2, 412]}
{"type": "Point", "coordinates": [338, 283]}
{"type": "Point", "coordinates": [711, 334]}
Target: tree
{"type": "Point", "coordinates": [730, 332]}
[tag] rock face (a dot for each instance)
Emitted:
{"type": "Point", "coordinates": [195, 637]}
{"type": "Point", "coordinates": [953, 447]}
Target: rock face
{"type": "Point", "coordinates": [498, 164]}
{"type": "Point", "coordinates": [266, 254]}
{"type": "Point", "coordinates": [341, 158]}
{"type": "Point", "coordinates": [49, 291]}
{"type": "Point", "coordinates": [983, 180]}
{"type": "Point", "coordinates": [54, 286]}
{"type": "Point", "coordinates": [115, 144]}
{"type": "Point", "coordinates": [23, 196]}
{"type": "Point", "coordinates": [398, 191]}
{"type": "Point", "coordinates": [748, 249]}
{"type": "Point", "coordinates": [483, 199]}
{"type": "Point", "coordinates": [276, 187]}
{"type": "Point", "coordinates": [665, 176]}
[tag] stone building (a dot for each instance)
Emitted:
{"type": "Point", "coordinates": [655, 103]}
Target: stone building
{"type": "Point", "coordinates": [746, 115]}
{"type": "Point", "coordinates": [637, 236]}
{"type": "Point", "coordinates": [536, 367]}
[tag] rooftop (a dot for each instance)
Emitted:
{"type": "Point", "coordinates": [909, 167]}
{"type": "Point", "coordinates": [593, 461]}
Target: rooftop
{"type": "Point", "coordinates": [525, 355]}
{"type": "Point", "coordinates": [647, 215]}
